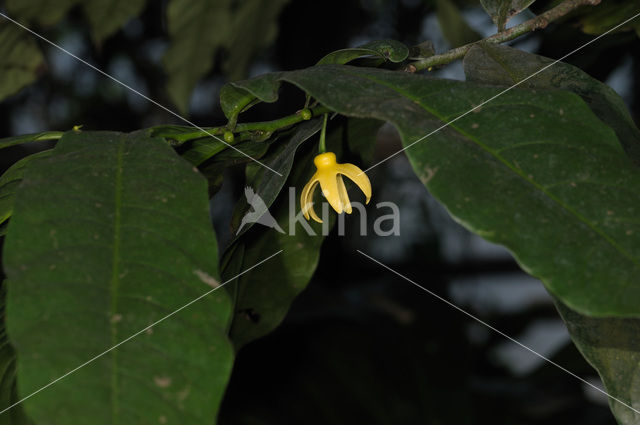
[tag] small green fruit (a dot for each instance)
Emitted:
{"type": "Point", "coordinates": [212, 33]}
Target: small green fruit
{"type": "Point", "coordinates": [306, 114]}
{"type": "Point", "coordinates": [229, 137]}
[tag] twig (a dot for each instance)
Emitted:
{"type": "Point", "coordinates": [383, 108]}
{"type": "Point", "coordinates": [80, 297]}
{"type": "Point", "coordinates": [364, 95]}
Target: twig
{"type": "Point", "coordinates": [539, 22]}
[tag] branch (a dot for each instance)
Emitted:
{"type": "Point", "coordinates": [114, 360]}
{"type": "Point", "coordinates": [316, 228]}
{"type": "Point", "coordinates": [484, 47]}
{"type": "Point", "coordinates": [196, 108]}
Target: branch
{"type": "Point", "coordinates": [539, 22]}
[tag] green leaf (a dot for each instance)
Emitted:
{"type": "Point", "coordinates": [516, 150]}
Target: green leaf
{"type": "Point", "coordinates": [263, 87]}
{"type": "Point", "coordinates": [453, 26]}
{"type": "Point", "coordinates": [238, 96]}
{"type": "Point", "coordinates": [8, 383]}
{"type": "Point", "coordinates": [502, 65]}
{"type": "Point", "coordinates": [27, 138]}
{"type": "Point", "coordinates": [22, 60]}
{"type": "Point", "coordinates": [107, 16]}
{"type": "Point", "coordinates": [503, 10]}
{"type": "Point", "coordinates": [42, 12]}
{"type": "Point", "coordinates": [110, 234]}
{"type": "Point", "coordinates": [263, 297]}
{"type": "Point", "coordinates": [612, 347]}
{"type": "Point", "coordinates": [266, 183]}
{"type": "Point", "coordinates": [262, 301]}
{"type": "Point", "coordinates": [197, 28]}
{"type": "Point", "coordinates": [534, 170]}
{"type": "Point", "coordinates": [234, 101]}
{"type": "Point", "coordinates": [390, 50]}
{"type": "Point", "coordinates": [10, 181]}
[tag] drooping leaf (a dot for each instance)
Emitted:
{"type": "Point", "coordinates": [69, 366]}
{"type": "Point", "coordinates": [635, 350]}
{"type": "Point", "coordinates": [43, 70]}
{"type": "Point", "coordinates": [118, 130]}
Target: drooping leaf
{"type": "Point", "coordinates": [110, 234]}
{"type": "Point", "coordinates": [263, 299]}
{"type": "Point", "coordinates": [264, 182]}
{"type": "Point", "coordinates": [502, 65]}
{"type": "Point", "coordinates": [10, 181]}
{"type": "Point", "coordinates": [390, 50]}
{"type": "Point", "coordinates": [197, 28]}
{"type": "Point", "coordinates": [534, 170]}
{"type": "Point", "coordinates": [107, 16]}
{"type": "Point", "coordinates": [453, 26]}
{"type": "Point", "coordinates": [503, 10]}
{"type": "Point", "coordinates": [612, 347]}
{"type": "Point", "coordinates": [27, 138]}
{"type": "Point", "coordinates": [22, 59]}
{"type": "Point", "coordinates": [42, 12]}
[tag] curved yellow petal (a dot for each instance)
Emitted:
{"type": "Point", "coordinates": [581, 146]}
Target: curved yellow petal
{"type": "Point", "coordinates": [329, 185]}
{"type": "Point", "coordinates": [358, 176]}
{"type": "Point", "coordinates": [313, 213]}
{"type": "Point", "coordinates": [306, 198]}
{"type": "Point", "coordinates": [344, 196]}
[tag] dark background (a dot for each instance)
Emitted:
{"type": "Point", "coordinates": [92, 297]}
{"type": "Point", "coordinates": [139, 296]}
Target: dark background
{"type": "Point", "coordinates": [360, 345]}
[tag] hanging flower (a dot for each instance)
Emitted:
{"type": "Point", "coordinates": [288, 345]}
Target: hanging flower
{"type": "Point", "coordinates": [329, 175]}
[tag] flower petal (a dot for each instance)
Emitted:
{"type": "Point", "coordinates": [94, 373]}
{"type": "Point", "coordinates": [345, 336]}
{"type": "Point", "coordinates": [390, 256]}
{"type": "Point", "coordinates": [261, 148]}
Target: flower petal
{"type": "Point", "coordinates": [358, 176]}
{"type": "Point", "coordinates": [306, 198]}
{"type": "Point", "coordinates": [344, 196]}
{"type": "Point", "coordinates": [313, 213]}
{"type": "Point", "coordinates": [329, 185]}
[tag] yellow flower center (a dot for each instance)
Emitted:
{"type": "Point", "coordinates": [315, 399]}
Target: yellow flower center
{"type": "Point", "coordinates": [325, 160]}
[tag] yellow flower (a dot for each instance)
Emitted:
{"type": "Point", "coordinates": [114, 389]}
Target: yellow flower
{"type": "Point", "coordinates": [329, 174]}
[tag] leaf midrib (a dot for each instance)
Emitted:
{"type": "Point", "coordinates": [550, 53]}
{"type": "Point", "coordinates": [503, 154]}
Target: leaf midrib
{"type": "Point", "coordinates": [507, 164]}
{"type": "Point", "coordinates": [115, 277]}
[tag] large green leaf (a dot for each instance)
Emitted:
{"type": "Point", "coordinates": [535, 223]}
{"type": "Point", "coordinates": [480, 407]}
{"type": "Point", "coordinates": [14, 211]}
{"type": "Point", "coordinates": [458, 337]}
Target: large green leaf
{"type": "Point", "coordinates": [612, 346]}
{"type": "Point", "coordinates": [107, 16]}
{"type": "Point", "coordinates": [10, 181]}
{"type": "Point", "coordinates": [110, 234]}
{"type": "Point", "coordinates": [8, 385]}
{"type": "Point", "coordinates": [21, 59]}
{"type": "Point", "coordinates": [534, 170]}
{"type": "Point", "coordinates": [502, 65]}
{"type": "Point", "coordinates": [503, 10]}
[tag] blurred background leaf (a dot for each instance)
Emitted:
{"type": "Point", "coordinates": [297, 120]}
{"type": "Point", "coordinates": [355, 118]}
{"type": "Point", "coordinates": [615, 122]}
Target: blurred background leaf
{"type": "Point", "coordinates": [503, 10]}
{"type": "Point", "coordinates": [22, 60]}
{"type": "Point", "coordinates": [453, 26]}
{"type": "Point", "coordinates": [199, 29]}
{"type": "Point", "coordinates": [107, 16]}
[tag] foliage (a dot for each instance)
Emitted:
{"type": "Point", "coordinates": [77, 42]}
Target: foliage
{"type": "Point", "coordinates": [108, 234]}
